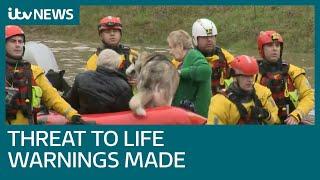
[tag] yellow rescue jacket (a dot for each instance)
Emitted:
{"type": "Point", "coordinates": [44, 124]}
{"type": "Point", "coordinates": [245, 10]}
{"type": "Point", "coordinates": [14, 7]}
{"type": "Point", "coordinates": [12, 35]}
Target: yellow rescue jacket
{"type": "Point", "coordinates": [223, 111]}
{"type": "Point", "coordinates": [92, 61]}
{"type": "Point", "coordinates": [50, 97]}
{"type": "Point", "coordinates": [302, 96]}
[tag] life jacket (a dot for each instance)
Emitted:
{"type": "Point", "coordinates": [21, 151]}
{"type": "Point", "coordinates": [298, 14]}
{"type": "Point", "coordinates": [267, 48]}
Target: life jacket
{"type": "Point", "coordinates": [236, 97]}
{"type": "Point", "coordinates": [19, 85]}
{"type": "Point", "coordinates": [122, 50]}
{"type": "Point", "coordinates": [281, 86]}
{"type": "Point", "coordinates": [220, 70]}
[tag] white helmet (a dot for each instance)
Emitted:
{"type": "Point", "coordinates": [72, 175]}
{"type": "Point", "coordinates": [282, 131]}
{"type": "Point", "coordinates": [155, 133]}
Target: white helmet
{"type": "Point", "coordinates": [203, 27]}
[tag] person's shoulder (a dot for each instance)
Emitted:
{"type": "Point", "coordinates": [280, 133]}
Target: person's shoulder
{"type": "Point", "coordinates": [295, 71]}
{"type": "Point", "coordinates": [194, 53]}
{"type": "Point", "coordinates": [225, 51]}
{"type": "Point", "coordinates": [262, 91]}
{"type": "Point", "coordinates": [227, 54]}
{"type": "Point", "coordinates": [93, 56]}
{"type": "Point", "coordinates": [36, 70]}
{"type": "Point", "coordinates": [219, 98]}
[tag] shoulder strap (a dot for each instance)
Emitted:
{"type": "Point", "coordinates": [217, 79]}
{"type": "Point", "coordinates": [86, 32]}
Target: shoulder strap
{"type": "Point", "coordinates": [233, 98]}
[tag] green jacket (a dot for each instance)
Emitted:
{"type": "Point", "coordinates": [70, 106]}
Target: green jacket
{"type": "Point", "coordinates": [195, 82]}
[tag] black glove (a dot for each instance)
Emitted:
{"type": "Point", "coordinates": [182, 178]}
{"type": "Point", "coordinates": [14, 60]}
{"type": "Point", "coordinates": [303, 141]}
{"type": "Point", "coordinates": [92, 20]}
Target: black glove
{"type": "Point", "coordinates": [187, 105]}
{"type": "Point", "coordinates": [259, 114]}
{"type": "Point", "coordinates": [77, 120]}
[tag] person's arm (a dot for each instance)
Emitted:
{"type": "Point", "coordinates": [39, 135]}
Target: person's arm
{"type": "Point", "coordinates": [306, 98]}
{"type": "Point", "coordinates": [50, 95]}
{"type": "Point", "coordinates": [122, 102]}
{"type": "Point", "coordinates": [218, 111]}
{"type": "Point", "coordinates": [200, 70]}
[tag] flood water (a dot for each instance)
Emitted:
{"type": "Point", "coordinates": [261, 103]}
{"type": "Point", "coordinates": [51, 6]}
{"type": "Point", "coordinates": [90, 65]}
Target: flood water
{"type": "Point", "coordinates": [72, 56]}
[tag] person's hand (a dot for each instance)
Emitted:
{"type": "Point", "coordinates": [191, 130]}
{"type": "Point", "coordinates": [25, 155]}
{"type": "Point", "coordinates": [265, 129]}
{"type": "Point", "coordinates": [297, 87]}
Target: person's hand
{"type": "Point", "coordinates": [77, 120]}
{"type": "Point", "coordinates": [307, 121]}
{"type": "Point", "coordinates": [187, 105]}
{"type": "Point", "coordinates": [132, 81]}
{"type": "Point", "coordinates": [259, 113]}
{"type": "Point", "coordinates": [291, 121]}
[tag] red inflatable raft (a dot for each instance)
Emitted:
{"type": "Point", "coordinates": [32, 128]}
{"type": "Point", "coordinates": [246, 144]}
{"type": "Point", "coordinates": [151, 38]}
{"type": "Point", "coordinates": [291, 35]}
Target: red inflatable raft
{"type": "Point", "coordinates": [155, 116]}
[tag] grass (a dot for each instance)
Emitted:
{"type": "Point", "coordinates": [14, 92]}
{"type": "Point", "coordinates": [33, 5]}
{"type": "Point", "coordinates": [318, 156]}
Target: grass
{"type": "Point", "coordinates": [238, 26]}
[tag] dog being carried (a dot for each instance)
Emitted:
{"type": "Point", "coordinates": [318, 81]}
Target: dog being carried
{"type": "Point", "coordinates": [157, 82]}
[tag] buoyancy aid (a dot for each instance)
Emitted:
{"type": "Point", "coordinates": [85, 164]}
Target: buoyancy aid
{"type": "Point", "coordinates": [220, 69]}
{"type": "Point", "coordinates": [22, 93]}
{"type": "Point", "coordinates": [276, 78]}
{"type": "Point", "coordinates": [238, 97]}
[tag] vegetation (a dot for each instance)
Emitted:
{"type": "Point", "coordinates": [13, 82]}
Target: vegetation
{"type": "Point", "coordinates": [238, 26]}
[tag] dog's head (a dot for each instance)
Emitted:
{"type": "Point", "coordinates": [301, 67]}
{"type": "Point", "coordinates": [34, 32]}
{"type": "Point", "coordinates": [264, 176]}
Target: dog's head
{"type": "Point", "coordinates": [57, 80]}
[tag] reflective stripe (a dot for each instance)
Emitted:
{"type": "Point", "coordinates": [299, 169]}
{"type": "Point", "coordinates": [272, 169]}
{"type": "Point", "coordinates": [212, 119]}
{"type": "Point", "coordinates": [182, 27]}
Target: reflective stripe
{"type": "Point", "coordinates": [36, 96]}
{"type": "Point", "coordinates": [228, 82]}
{"type": "Point", "coordinates": [294, 98]}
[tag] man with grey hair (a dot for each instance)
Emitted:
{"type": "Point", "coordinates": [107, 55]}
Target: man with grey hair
{"type": "Point", "coordinates": [103, 90]}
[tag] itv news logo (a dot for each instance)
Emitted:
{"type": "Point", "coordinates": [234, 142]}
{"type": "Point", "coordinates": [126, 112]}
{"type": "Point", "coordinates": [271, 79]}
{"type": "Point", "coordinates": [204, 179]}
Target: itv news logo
{"type": "Point", "coordinates": [47, 14]}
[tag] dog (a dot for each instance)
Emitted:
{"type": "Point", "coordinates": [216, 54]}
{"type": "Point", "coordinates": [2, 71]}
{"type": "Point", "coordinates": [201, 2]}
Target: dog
{"type": "Point", "coordinates": [57, 80]}
{"type": "Point", "coordinates": [157, 82]}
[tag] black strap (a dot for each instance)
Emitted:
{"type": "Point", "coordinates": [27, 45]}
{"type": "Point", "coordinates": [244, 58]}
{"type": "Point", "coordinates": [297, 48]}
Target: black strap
{"type": "Point", "coordinates": [236, 100]}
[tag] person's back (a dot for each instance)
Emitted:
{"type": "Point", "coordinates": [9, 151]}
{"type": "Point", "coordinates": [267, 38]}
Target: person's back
{"type": "Point", "coordinates": [194, 86]}
{"type": "Point", "coordinates": [103, 90]}
{"type": "Point", "coordinates": [194, 90]}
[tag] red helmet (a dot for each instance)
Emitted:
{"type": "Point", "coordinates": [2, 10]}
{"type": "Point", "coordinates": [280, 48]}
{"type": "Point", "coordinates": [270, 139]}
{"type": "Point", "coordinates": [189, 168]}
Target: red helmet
{"type": "Point", "coordinates": [13, 30]}
{"type": "Point", "coordinates": [266, 37]}
{"type": "Point", "coordinates": [245, 64]}
{"type": "Point", "coordinates": [109, 22]}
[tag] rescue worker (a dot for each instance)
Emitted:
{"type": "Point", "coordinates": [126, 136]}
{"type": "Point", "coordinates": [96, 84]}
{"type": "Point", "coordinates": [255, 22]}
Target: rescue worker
{"type": "Point", "coordinates": [288, 83]}
{"type": "Point", "coordinates": [26, 85]}
{"type": "Point", "coordinates": [103, 90]}
{"type": "Point", "coordinates": [244, 102]}
{"type": "Point", "coordinates": [194, 90]}
{"type": "Point", "coordinates": [204, 37]}
{"type": "Point", "coordinates": [110, 33]}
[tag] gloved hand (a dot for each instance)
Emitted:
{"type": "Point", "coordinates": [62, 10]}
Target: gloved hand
{"type": "Point", "coordinates": [77, 120]}
{"type": "Point", "coordinates": [259, 114]}
{"type": "Point", "coordinates": [187, 105]}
